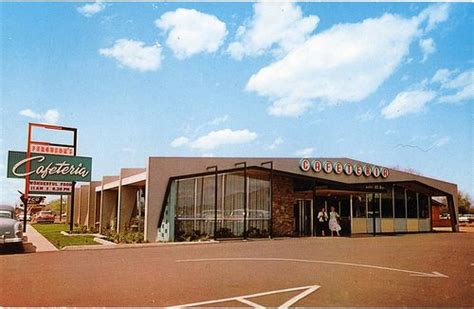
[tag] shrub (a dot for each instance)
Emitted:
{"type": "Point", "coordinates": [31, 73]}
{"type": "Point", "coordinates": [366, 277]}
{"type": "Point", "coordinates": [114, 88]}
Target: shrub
{"type": "Point", "coordinates": [254, 232]}
{"type": "Point", "coordinates": [124, 237]}
{"type": "Point", "coordinates": [82, 230]}
{"type": "Point", "coordinates": [194, 235]}
{"type": "Point", "coordinates": [224, 232]}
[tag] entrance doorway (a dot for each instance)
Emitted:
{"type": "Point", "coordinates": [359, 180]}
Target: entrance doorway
{"type": "Point", "coordinates": [373, 204]}
{"type": "Point", "coordinates": [304, 217]}
{"type": "Point", "coordinates": [341, 201]}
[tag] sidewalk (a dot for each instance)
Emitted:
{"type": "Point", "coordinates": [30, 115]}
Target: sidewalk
{"type": "Point", "coordinates": [38, 240]}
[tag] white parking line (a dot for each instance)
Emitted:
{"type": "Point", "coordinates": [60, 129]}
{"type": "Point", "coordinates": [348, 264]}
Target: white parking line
{"type": "Point", "coordinates": [295, 299]}
{"type": "Point", "coordinates": [434, 274]}
{"type": "Point", "coordinates": [250, 303]}
{"type": "Point", "coordinates": [244, 298]}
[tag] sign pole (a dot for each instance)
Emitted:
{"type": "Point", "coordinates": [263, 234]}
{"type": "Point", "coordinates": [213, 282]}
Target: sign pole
{"type": "Point", "coordinates": [71, 224]}
{"type": "Point", "coordinates": [27, 178]}
{"type": "Point", "coordinates": [60, 208]}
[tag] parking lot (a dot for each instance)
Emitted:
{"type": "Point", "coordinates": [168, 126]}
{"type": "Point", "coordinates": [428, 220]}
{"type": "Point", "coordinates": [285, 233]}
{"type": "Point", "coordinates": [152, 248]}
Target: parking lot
{"type": "Point", "coordinates": [435, 269]}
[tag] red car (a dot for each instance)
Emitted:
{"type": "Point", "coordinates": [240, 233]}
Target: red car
{"type": "Point", "coordinates": [45, 216]}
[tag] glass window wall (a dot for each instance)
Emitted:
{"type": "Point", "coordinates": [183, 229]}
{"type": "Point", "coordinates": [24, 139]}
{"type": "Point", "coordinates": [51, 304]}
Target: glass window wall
{"type": "Point", "coordinates": [387, 205]}
{"type": "Point", "coordinates": [400, 210]}
{"type": "Point", "coordinates": [195, 206]}
{"type": "Point", "coordinates": [373, 201]}
{"type": "Point", "coordinates": [412, 208]}
{"type": "Point", "coordinates": [359, 206]}
{"type": "Point", "coordinates": [424, 206]}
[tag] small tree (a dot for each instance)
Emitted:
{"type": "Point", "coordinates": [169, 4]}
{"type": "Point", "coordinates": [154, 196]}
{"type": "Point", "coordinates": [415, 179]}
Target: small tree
{"type": "Point", "coordinates": [464, 202]}
{"type": "Point", "coordinates": [55, 206]}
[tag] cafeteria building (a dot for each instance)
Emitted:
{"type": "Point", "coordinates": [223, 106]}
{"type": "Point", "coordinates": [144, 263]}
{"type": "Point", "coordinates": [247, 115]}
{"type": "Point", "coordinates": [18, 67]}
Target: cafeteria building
{"type": "Point", "coordinates": [174, 198]}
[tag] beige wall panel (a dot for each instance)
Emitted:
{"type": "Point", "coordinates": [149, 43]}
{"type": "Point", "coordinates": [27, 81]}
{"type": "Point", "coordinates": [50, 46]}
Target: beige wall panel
{"type": "Point", "coordinates": [77, 204]}
{"type": "Point", "coordinates": [91, 217]}
{"type": "Point", "coordinates": [387, 226]}
{"type": "Point", "coordinates": [412, 225]}
{"type": "Point", "coordinates": [128, 196]}
{"type": "Point", "coordinates": [84, 202]}
{"type": "Point", "coordinates": [109, 207]}
{"type": "Point", "coordinates": [359, 225]}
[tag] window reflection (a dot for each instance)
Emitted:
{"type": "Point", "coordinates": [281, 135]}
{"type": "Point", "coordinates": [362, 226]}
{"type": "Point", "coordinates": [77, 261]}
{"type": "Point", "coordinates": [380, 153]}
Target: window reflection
{"type": "Point", "coordinates": [195, 209]}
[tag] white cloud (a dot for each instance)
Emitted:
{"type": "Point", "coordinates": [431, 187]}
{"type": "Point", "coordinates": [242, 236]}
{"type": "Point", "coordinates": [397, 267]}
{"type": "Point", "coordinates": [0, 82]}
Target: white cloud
{"type": "Point", "coordinates": [463, 79]}
{"type": "Point", "coordinates": [216, 139]}
{"type": "Point", "coordinates": [91, 9]}
{"type": "Point", "coordinates": [367, 116]}
{"type": "Point", "coordinates": [277, 142]}
{"type": "Point", "coordinates": [219, 120]}
{"type": "Point", "coordinates": [214, 122]}
{"type": "Point", "coordinates": [180, 141]}
{"type": "Point", "coordinates": [51, 116]}
{"type": "Point", "coordinates": [279, 27]}
{"type": "Point", "coordinates": [305, 152]}
{"type": "Point", "coordinates": [441, 142]}
{"type": "Point", "coordinates": [346, 63]}
{"type": "Point", "coordinates": [408, 102]}
{"type": "Point", "coordinates": [427, 47]}
{"type": "Point", "coordinates": [192, 32]}
{"type": "Point", "coordinates": [441, 76]}
{"type": "Point", "coordinates": [289, 106]}
{"type": "Point", "coordinates": [434, 15]}
{"type": "Point", "coordinates": [462, 84]}
{"type": "Point", "coordinates": [134, 54]}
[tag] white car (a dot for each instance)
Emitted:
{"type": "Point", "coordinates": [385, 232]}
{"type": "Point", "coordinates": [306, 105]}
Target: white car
{"type": "Point", "coordinates": [463, 219]}
{"type": "Point", "coordinates": [11, 230]}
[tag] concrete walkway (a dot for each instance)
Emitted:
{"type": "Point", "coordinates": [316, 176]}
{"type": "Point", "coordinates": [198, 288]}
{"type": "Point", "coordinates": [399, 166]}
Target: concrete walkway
{"type": "Point", "coordinates": [38, 240]}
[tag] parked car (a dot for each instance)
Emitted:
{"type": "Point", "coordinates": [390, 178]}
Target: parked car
{"type": "Point", "coordinates": [463, 219]}
{"type": "Point", "coordinates": [20, 217]}
{"type": "Point", "coordinates": [11, 230]}
{"type": "Point", "coordinates": [45, 216]}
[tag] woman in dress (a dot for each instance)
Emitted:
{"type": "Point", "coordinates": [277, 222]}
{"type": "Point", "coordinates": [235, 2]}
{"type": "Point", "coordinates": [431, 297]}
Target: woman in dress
{"type": "Point", "coordinates": [333, 224]}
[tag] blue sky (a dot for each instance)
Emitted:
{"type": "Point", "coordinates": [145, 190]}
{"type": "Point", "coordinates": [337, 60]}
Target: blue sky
{"type": "Point", "coordinates": [387, 83]}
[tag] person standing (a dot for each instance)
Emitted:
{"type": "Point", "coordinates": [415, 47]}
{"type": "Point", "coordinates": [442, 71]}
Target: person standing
{"type": "Point", "coordinates": [322, 221]}
{"type": "Point", "coordinates": [333, 222]}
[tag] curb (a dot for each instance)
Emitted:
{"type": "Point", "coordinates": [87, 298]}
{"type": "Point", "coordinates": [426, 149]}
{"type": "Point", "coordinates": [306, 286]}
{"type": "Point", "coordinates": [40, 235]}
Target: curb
{"type": "Point", "coordinates": [111, 245]}
{"type": "Point", "coordinates": [104, 242]}
{"type": "Point", "coordinates": [95, 235]}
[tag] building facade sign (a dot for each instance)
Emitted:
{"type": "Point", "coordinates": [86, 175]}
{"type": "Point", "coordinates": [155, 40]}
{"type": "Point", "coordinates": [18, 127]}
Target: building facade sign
{"type": "Point", "coordinates": [45, 187]}
{"type": "Point", "coordinates": [52, 149]}
{"type": "Point", "coordinates": [337, 167]}
{"type": "Point", "coordinates": [47, 167]}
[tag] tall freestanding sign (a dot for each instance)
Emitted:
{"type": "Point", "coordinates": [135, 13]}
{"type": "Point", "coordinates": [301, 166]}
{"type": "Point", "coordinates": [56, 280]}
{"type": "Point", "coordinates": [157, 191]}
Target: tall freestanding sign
{"type": "Point", "coordinates": [49, 168]}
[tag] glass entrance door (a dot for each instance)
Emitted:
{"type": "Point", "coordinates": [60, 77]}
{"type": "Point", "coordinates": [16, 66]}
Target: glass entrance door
{"type": "Point", "coordinates": [304, 215]}
{"type": "Point", "coordinates": [373, 206]}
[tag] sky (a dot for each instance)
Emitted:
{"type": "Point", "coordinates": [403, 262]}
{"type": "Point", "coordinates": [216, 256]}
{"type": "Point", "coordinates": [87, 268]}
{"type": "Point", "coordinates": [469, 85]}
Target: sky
{"type": "Point", "coordinates": [386, 83]}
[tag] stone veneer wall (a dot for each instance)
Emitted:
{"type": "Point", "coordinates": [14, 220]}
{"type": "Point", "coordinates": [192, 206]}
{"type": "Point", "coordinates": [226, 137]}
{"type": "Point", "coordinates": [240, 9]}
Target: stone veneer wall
{"type": "Point", "coordinates": [283, 203]}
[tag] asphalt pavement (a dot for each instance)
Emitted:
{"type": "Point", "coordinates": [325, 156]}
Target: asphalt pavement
{"type": "Point", "coordinates": [434, 269]}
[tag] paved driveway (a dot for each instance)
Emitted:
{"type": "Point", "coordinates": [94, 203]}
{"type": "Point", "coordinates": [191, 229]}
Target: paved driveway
{"type": "Point", "coordinates": [407, 270]}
